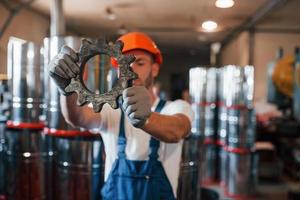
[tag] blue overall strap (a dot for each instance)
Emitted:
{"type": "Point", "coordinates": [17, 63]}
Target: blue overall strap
{"type": "Point", "coordinates": [154, 143]}
{"type": "Point", "coordinates": [122, 137]}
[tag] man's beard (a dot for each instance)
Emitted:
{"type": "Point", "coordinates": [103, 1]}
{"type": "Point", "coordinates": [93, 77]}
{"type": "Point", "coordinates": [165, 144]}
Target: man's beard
{"type": "Point", "coordinates": [149, 81]}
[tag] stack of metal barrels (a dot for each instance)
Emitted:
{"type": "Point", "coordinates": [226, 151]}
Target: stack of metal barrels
{"type": "Point", "coordinates": [222, 100]}
{"type": "Point", "coordinates": [189, 180]}
{"type": "Point", "coordinates": [241, 158]}
{"type": "Point", "coordinates": [26, 148]}
{"type": "Point", "coordinates": [78, 155]}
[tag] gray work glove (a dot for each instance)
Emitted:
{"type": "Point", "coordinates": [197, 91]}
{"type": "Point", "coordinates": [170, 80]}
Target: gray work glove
{"type": "Point", "coordinates": [137, 105]}
{"type": "Point", "coordinates": [63, 67]}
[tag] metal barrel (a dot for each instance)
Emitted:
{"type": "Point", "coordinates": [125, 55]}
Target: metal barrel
{"type": "Point", "coordinates": [52, 47]}
{"type": "Point", "coordinates": [26, 77]}
{"type": "Point", "coordinates": [25, 162]}
{"type": "Point", "coordinates": [78, 167]}
{"type": "Point", "coordinates": [25, 151]}
{"type": "Point", "coordinates": [197, 87]}
{"type": "Point", "coordinates": [78, 155]}
{"type": "Point", "coordinates": [4, 115]}
{"type": "Point", "coordinates": [209, 164]}
{"type": "Point", "coordinates": [241, 115]}
{"type": "Point", "coordinates": [210, 115]}
{"type": "Point", "coordinates": [242, 174]}
{"type": "Point", "coordinates": [223, 87]}
{"type": "Point", "coordinates": [189, 178]}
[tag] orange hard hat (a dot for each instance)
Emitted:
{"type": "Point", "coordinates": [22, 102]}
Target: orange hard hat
{"type": "Point", "coordinates": [137, 40]}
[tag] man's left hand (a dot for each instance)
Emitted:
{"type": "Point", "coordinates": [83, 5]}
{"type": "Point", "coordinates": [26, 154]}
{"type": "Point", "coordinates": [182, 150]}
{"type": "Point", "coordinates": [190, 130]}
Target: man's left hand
{"type": "Point", "coordinates": [137, 105]}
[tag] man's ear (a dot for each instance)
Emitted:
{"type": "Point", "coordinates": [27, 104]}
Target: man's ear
{"type": "Point", "coordinates": [155, 70]}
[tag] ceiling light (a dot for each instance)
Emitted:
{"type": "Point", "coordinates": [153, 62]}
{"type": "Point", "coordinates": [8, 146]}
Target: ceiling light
{"type": "Point", "coordinates": [209, 25]}
{"type": "Point", "coordinates": [122, 30]}
{"type": "Point", "coordinates": [110, 14]}
{"type": "Point", "coordinates": [224, 3]}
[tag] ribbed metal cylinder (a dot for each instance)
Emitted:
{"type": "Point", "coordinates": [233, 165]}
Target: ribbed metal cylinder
{"type": "Point", "coordinates": [209, 164]}
{"type": "Point", "coordinates": [211, 104]}
{"type": "Point", "coordinates": [241, 116]}
{"type": "Point", "coordinates": [242, 175]}
{"type": "Point", "coordinates": [52, 47]}
{"type": "Point", "coordinates": [26, 162]}
{"type": "Point", "coordinates": [78, 168]}
{"type": "Point", "coordinates": [26, 75]}
{"type": "Point", "coordinates": [189, 178]}
{"type": "Point", "coordinates": [4, 114]}
{"type": "Point", "coordinates": [223, 88]}
{"type": "Point", "coordinates": [197, 89]}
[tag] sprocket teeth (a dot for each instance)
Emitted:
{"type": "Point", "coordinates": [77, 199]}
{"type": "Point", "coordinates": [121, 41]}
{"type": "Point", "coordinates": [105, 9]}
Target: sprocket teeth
{"type": "Point", "coordinates": [89, 49]}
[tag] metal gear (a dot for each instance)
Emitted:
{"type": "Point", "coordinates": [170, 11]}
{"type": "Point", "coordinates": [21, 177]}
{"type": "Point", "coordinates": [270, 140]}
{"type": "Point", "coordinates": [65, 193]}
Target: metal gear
{"type": "Point", "coordinates": [89, 50]}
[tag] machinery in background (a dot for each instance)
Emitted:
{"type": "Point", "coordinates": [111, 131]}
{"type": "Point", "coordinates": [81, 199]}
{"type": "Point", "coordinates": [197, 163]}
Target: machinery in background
{"type": "Point", "coordinates": [284, 92]}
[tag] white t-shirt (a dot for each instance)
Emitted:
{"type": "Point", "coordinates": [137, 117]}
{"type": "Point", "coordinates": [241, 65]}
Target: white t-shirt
{"type": "Point", "coordinates": [137, 147]}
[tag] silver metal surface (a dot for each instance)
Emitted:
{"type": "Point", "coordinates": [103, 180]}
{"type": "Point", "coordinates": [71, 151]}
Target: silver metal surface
{"type": "Point", "coordinates": [26, 78]}
{"type": "Point", "coordinates": [58, 25]}
{"type": "Point", "coordinates": [209, 164]}
{"type": "Point", "coordinates": [197, 90]}
{"type": "Point", "coordinates": [26, 158]}
{"type": "Point", "coordinates": [88, 50]}
{"type": "Point", "coordinates": [242, 174]}
{"type": "Point", "coordinates": [223, 166]}
{"type": "Point", "coordinates": [52, 47]}
{"type": "Point", "coordinates": [189, 177]}
{"type": "Point", "coordinates": [78, 168]}
{"type": "Point", "coordinates": [241, 128]}
{"type": "Point", "coordinates": [2, 158]}
{"type": "Point", "coordinates": [211, 104]}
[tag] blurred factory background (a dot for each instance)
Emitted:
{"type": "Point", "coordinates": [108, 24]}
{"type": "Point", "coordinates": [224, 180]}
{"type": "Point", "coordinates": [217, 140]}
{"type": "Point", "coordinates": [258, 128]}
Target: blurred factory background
{"type": "Point", "coordinates": [236, 61]}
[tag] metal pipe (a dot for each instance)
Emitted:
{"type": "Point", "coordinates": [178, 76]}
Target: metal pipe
{"type": "Point", "coordinates": [58, 26]}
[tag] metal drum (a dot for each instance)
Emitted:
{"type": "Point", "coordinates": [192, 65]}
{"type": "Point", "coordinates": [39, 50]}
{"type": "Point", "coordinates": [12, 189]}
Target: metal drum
{"type": "Point", "coordinates": [26, 78]}
{"type": "Point", "coordinates": [210, 115]}
{"type": "Point", "coordinates": [189, 178]}
{"type": "Point", "coordinates": [242, 174]}
{"type": "Point", "coordinates": [209, 164]}
{"type": "Point", "coordinates": [26, 160]}
{"type": "Point", "coordinates": [197, 88]}
{"type": "Point", "coordinates": [222, 125]}
{"type": "Point", "coordinates": [52, 47]}
{"type": "Point", "coordinates": [78, 167]}
{"type": "Point", "coordinates": [4, 114]}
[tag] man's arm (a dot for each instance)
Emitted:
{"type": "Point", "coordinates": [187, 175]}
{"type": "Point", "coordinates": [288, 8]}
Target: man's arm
{"type": "Point", "coordinates": [167, 128]}
{"type": "Point", "coordinates": [78, 116]}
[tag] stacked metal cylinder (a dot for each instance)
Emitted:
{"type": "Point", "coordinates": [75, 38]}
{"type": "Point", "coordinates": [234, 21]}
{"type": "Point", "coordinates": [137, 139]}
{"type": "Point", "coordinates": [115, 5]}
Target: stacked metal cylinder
{"type": "Point", "coordinates": [4, 114]}
{"type": "Point", "coordinates": [222, 100]}
{"type": "Point", "coordinates": [209, 162]}
{"type": "Point", "coordinates": [78, 154]}
{"type": "Point", "coordinates": [189, 181]}
{"type": "Point", "coordinates": [241, 159]}
{"type": "Point", "coordinates": [26, 151]}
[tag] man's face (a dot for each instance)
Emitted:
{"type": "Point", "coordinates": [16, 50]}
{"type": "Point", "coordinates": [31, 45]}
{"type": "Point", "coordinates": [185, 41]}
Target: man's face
{"type": "Point", "coordinates": [145, 68]}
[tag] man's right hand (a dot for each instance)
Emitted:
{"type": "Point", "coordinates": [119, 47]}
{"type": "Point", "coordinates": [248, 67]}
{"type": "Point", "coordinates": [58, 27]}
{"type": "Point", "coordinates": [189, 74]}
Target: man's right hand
{"type": "Point", "coordinates": [63, 67]}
